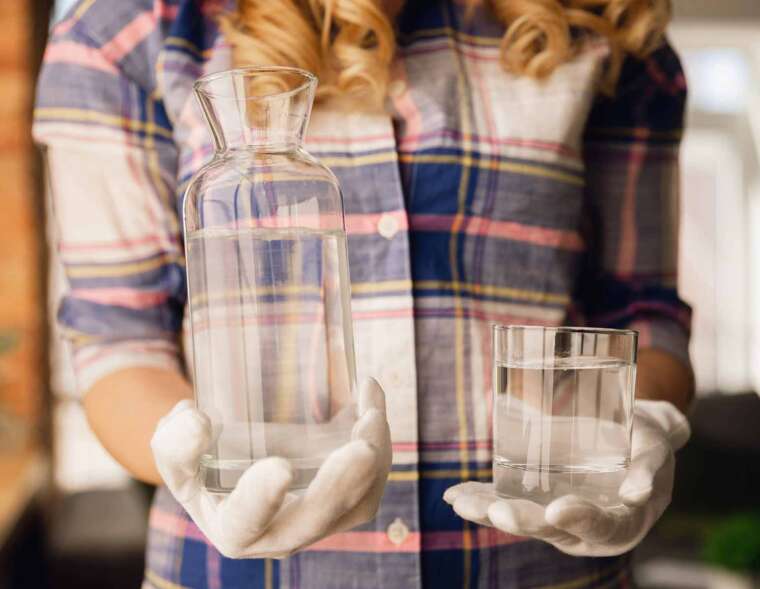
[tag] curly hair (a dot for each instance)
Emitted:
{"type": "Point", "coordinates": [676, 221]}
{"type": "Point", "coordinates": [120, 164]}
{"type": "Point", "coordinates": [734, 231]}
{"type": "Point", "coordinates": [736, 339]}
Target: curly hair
{"type": "Point", "coordinates": [349, 44]}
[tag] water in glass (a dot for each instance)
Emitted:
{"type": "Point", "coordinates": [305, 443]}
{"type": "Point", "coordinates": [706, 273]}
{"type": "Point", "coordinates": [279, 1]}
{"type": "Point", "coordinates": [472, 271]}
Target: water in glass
{"type": "Point", "coordinates": [561, 426]}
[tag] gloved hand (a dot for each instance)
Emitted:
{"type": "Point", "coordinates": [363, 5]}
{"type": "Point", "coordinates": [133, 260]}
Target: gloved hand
{"type": "Point", "coordinates": [259, 518]}
{"type": "Point", "coordinates": [577, 526]}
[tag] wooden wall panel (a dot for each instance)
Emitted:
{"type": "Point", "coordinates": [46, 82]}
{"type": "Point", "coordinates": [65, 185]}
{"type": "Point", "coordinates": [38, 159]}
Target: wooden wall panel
{"type": "Point", "coordinates": [21, 373]}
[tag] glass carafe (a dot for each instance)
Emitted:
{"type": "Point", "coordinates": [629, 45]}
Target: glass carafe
{"type": "Point", "coordinates": [268, 284]}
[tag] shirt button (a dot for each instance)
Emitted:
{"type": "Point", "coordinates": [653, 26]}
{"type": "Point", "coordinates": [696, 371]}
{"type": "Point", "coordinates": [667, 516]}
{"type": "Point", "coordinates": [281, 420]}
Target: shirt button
{"type": "Point", "coordinates": [397, 532]}
{"type": "Point", "coordinates": [387, 226]}
{"type": "Point", "coordinates": [396, 88]}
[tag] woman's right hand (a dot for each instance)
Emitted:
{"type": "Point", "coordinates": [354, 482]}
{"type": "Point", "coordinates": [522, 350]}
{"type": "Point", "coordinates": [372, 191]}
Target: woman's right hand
{"type": "Point", "coordinates": [259, 518]}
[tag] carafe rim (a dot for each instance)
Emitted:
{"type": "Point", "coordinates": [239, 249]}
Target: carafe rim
{"type": "Point", "coordinates": [201, 84]}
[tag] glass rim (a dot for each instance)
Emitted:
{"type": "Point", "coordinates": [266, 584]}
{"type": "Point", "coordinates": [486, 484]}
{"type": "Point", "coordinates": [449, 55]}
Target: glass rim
{"type": "Point", "coordinates": [201, 85]}
{"type": "Point", "coordinates": [567, 329]}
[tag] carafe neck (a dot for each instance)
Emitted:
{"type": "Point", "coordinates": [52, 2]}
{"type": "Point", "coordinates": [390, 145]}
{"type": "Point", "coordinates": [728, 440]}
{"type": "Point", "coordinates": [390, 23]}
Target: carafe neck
{"type": "Point", "coordinates": [262, 109]}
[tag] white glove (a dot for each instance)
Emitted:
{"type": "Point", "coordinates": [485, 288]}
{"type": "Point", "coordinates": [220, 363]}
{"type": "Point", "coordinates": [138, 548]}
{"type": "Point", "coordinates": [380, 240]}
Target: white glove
{"type": "Point", "coordinates": [577, 526]}
{"type": "Point", "coordinates": [259, 518]}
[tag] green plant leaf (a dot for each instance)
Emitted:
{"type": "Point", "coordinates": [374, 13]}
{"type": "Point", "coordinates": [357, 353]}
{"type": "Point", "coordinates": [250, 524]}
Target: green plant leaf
{"type": "Point", "coordinates": [735, 543]}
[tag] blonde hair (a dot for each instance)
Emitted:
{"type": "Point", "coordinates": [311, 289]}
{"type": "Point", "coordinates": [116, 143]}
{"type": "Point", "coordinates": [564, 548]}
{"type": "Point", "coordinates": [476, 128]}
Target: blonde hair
{"type": "Point", "coordinates": [349, 44]}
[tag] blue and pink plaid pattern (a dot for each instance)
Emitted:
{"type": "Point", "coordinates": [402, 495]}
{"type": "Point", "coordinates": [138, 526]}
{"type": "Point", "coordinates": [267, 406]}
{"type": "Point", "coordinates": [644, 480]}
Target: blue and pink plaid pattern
{"type": "Point", "coordinates": [478, 197]}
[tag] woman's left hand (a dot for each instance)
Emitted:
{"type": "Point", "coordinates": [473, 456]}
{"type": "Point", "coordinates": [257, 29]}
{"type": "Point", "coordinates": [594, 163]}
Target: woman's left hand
{"type": "Point", "coordinates": [577, 526]}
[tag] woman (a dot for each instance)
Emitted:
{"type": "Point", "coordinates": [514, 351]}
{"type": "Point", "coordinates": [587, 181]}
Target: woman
{"type": "Point", "coordinates": [513, 161]}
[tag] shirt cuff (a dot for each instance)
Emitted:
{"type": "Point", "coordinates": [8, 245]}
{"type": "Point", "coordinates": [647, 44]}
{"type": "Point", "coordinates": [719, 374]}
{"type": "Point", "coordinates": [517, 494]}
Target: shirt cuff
{"type": "Point", "coordinates": [663, 334]}
{"type": "Point", "coordinates": [93, 362]}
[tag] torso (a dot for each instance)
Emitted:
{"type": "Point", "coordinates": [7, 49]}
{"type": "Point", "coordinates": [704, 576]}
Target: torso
{"type": "Point", "coordinates": [464, 206]}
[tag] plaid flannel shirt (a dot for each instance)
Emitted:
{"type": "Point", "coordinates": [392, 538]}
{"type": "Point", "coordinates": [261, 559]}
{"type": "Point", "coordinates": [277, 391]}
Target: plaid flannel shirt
{"type": "Point", "coordinates": [478, 197]}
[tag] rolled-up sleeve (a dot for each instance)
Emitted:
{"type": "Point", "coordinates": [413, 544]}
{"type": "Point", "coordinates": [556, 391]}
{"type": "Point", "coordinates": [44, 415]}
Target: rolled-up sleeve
{"type": "Point", "coordinates": [631, 155]}
{"type": "Point", "coordinates": [112, 169]}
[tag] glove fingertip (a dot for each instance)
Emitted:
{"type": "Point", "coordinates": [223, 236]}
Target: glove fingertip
{"type": "Point", "coordinates": [181, 406]}
{"type": "Point", "coordinates": [182, 437]}
{"type": "Point", "coordinates": [468, 488]}
{"type": "Point", "coordinates": [281, 464]}
{"type": "Point", "coordinates": [680, 434]}
{"type": "Point", "coordinates": [634, 496]}
{"type": "Point", "coordinates": [570, 512]}
{"type": "Point", "coordinates": [472, 507]}
{"type": "Point", "coordinates": [450, 495]}
{"type": "Point", "coordinates": [503, 517]}
{"type": "Point", "coordinates": [371, 396]}
{"type": "Point", "coordinates": [668, 418]}
{"type": "Point", "coordinates": [277, 471]}
{"type": "Point", "coordinates": [638, 485]}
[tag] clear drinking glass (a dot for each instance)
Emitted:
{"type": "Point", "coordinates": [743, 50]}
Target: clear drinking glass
{"type": "Point", "coordinates": [563, 411]}
{"type": "Point", "coordinates": [268, 284]}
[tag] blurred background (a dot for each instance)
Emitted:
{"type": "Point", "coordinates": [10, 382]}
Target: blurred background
{"type": "Point", "coordinates": [71, 517]}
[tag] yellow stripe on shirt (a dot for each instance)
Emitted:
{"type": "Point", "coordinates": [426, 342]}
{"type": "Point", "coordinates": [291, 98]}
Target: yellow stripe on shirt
{"type": "Point", "coordinates": [160, 582]}
{"type": "Point", "coordinates": [491, 290]}
{"type": "Point", "coordinates": [78, 115]}
{"type": "Point", "coordinates": [334, 161]}
{"type": "Point", "coordinates": [103, 271]}
{"type": "Point", "coordinates": [490, 164]}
